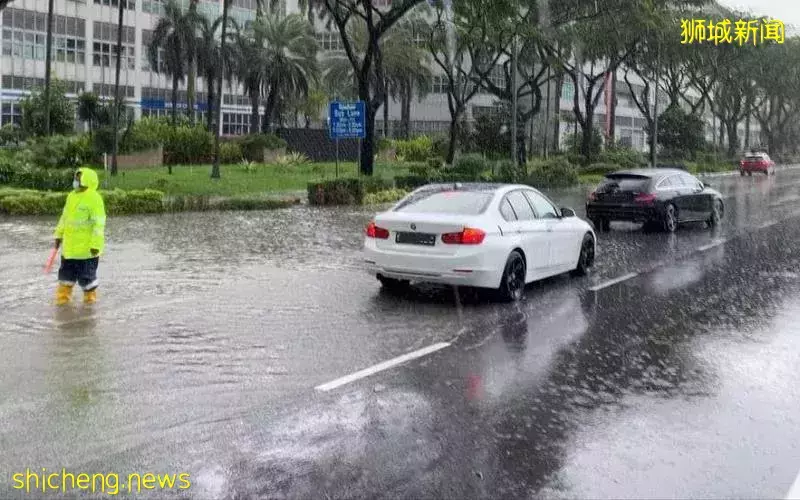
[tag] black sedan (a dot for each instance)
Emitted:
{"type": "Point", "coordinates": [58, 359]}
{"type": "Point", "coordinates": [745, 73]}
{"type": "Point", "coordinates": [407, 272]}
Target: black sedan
{"type": "Point", "coordinates": [658, 197]}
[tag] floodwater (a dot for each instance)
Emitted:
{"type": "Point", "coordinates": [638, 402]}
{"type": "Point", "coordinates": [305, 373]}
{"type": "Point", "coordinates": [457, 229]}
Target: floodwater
{"type": "Point", "coordinates": [213, 329]}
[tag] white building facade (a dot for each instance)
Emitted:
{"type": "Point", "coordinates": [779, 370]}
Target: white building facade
{"type": "Point", "coordinates": [83, 45]}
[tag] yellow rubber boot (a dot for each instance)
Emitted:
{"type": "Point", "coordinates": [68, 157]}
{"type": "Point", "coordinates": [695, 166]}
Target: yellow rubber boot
{"type": "Point", "coordinates": [90, 297]}
{"type": "Point", "coordinates": [63, 294]}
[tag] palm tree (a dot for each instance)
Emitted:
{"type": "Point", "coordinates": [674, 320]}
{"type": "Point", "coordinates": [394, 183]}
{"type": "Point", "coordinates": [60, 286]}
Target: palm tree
{"type": "Point", "coordinates": [250, 65]}
{"type": "Point", "coordinates": [291, 58]}
{"type": "Point", "coordinates": [175, 33]}
{"type": "Point", "coordinates": [208, 60]}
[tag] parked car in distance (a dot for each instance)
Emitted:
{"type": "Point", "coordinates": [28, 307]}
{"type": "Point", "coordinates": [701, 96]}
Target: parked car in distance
{"type": "Point", "coordinates": [495, 236]}
{"type": "Point", "coordinates": [756, 162]}
{"type": "Point", "coordinates": [659, 198]}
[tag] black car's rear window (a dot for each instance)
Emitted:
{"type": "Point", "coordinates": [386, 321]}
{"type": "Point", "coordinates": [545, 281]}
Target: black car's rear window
{"type": "Point", "coordinates": [447, 202]}
{"type": "Point", "coordinates": [634, 183]}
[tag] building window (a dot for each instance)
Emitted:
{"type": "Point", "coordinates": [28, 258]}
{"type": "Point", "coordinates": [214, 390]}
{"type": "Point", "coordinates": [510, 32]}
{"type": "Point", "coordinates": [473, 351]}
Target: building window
{"type": "Point", "coordinates": [10, 113]}
{"type": "Point", "coordinates": [29, 83]}
{"type": "Point", "coordinates": [147, 39]}
{"type": "Point", "coordinates": [235, 100]}
{"type": "Point", "coordinates": [153, 7]}
{"type": "Point", "coordinates": [440, 85]}
{"type": "Point", "coordinates": [129, 4]}
{"type": "Point", "coordinates": [105, 50]}
{"type": "Point", "coordinates": [244, 4]}
{"type": "Point", "coordinates": [567, 91]}
{"type": "Point", "coordinates": [107, 90]}
{"type": "Point", "coordinates": [24, 34]}
{"type": "Point", "coordinates": [328, 40]}
{"type": "Point", "coordinates": [235, 123]}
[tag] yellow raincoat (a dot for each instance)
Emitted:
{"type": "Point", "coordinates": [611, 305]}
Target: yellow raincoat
{"type": "Point", "coordinates": [83, 221]}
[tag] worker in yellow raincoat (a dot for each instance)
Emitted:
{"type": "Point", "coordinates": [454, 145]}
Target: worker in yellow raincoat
{"type": "Point", "coordinates": [81, 236]}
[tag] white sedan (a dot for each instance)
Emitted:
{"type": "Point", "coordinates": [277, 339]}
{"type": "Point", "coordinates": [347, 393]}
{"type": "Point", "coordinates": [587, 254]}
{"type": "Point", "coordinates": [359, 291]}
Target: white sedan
{"type": "Point", "coordinates": [496, 236]}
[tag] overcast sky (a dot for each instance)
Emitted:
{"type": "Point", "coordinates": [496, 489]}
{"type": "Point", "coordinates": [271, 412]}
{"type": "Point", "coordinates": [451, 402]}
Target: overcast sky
{"type": "Point", "coordinates": [787, 11]}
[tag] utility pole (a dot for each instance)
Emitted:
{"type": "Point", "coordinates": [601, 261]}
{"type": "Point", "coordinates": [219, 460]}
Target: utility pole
{"type": "Point", "coordinates": [546, 116]}
{"type": "Point", "coordinates": [48, 63]}
{"type": "Point", "coordinates": [215, 173]}
{"type": "Point", "coordinates": [117, 101]}
{"type": "Point", "coordinates": [514, 100]}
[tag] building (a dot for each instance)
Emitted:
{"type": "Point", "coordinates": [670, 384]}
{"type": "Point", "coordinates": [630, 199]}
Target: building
{"type": "Point", "coordinates": [85, 33]}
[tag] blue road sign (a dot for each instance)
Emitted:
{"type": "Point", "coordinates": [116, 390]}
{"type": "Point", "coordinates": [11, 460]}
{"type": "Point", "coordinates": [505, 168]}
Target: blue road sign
{"type": "Point", "coordinates": [347, 120]}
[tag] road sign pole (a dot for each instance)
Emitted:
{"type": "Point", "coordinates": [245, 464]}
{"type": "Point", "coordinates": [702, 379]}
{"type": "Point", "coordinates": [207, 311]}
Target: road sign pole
{"type": "Point", "coordinates": [337, 157]}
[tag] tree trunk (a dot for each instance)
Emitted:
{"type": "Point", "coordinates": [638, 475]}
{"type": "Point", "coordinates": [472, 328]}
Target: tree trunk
{"type": "Point", "coordinates": [191, 85]}
{"type": "Point", "coordinates": [405, 110]}
{"type": "Point", "coordinates": [557, 113]}
{"type": "Point", "coordinates": [175, 82]}
{"type": "Point", "coordinates": [747, 131]}
{"type": "Point", "coordinates": [255, 97]}
{"type": "Point", "coordinates": [587, 132]}
{"type": "Point", "coordinates": [455, 123]}
{"type": "Point", "coordinates": [269, 110]}
{"type": "Point", "coordinates": [210, 103]}
{"type": "Point", "coordinates": [733, 138]}
{"type": "Point", "coordinates": [386, 116]}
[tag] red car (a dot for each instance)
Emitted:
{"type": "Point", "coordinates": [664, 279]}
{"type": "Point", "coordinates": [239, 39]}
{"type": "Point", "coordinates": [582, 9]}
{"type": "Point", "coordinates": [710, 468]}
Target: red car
{"type": "Point", "coordinates": [756, 162]}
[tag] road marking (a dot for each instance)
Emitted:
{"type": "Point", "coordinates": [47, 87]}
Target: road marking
{"type": "Point", "coordinates": [712, 245]}
{"type": "Point", "coordinates": [767, 224]}
{"type": "Point", "coordinates": [794, 491]}
{"type": "Point", "coordinates": [381, 367]}
{"type": "Point", "coordinates": [613, 282]}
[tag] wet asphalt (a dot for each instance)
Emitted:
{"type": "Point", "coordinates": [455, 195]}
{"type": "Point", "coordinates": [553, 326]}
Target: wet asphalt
{"type": "Point", "coordinates": [212, 331]}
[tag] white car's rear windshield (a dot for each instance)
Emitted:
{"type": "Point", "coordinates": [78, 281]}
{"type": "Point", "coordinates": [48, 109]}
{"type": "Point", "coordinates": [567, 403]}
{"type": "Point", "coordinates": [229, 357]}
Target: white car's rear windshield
{"type": "Point", "coordinates": [447, 202]}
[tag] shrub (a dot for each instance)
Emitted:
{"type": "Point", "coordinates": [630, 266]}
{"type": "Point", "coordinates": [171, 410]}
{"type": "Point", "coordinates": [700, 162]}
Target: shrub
{"type": "Point", "coordinates": [626, 158]}
{"type": "Point", "coordinates": [43, 179]}
{"type": "Point", "coordinates": [508, 171]}
{"type": "Point", "coordinates": [557, 172]}
{"type": "Point", "coordinates": [384, 144]}
{"type": "Point", "coordinates": [417, 149]}
{"type": "Point", "coordinates": [253, 145]}
{"type": "Point", "coordinates": [375, 184]}
{"type": "Point", "coordinates": [450, 175]}
{"type": "Point", "coordinates": [230, 152]}
{"type": "Point", "coordinates": [435, 162]}
{"type": "Point", "coordinates": [600, 169]}
{"type": "Point", "coordinates": [410, 182]}
{"type": "Point", "coordinates": [243, 203]}
{"type": "Point", "coordinates": [8, 168]}
{"type": "Point", "coordinates": [419, 169]}
{"type": "Point", "coordinates": [139, 137]}
{"type": "Point", "coordinates": [388, 196]}
{"type": "Point", "coordinates": [336, 192]}
{"type": "Point", "coordinates": [189, 146]}
{"type": "Point", "coordinates": [57, 151]}
{"type": "Point", "coordinates": [62, 111]}
{"type": "Point", "coordinates": [293, 159]}
{"type": "Point", "coordinates": [84, 150]}
{"type": "Point", "coordinates": [440, 145]}
{"type": "Point", "coordinates": [470, 166]}
{"type": "Point", "coordinates": [10, 135]}
{"type": "Point", "coordinates": [36, 203]}
{"type": "Point", "coordinates": [145, 201]}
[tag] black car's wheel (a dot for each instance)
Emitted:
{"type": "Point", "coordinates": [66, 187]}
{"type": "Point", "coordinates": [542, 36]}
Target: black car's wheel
{"type": "Point", "coordinates": [586, 256]}
{"type": "Point", "coordinates": [512, 286]}
{"type": "Point", "coordinates": [603, 225]}
{"type": "Point", "coordinates": [670, 219]}
{"type": "Point", "coordinates": [750, 174]}
{"type": "Point", "coordinates": [393, 285]}
{"type": "Point", "coordinates": [716, 214]}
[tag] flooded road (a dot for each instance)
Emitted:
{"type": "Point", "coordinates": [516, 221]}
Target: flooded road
{"type": "Point", "coordinates": [212, 331]}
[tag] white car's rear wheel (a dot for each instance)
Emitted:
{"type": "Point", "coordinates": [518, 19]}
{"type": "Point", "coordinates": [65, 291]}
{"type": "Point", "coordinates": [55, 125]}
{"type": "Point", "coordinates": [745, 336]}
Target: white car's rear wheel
{"type": "Point", "coordinates": [512, 286]}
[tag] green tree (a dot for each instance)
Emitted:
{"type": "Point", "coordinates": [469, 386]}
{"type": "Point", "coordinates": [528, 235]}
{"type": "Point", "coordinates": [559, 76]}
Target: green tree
{"type": "Point", "coordinates": [369, 69]}
{"type": "Point", "coordinates": [34, 109]}
{"type": "Point", "coordinates": [777, 79]}
{"type": "Point", "coordinates": [291, 62]}
{"type": "Point", "coordinates": [175, 34]}
{"type": "Point", "coordinates": [208, 60]}
{"type": "Point", "coordinates": [88, 107]}
{"type": "Point", "coordinates": [465, 61]}
{"type": "Point", "coordinates": [250, 64]}
{"type": "Point", "coordinates": [680, 133]}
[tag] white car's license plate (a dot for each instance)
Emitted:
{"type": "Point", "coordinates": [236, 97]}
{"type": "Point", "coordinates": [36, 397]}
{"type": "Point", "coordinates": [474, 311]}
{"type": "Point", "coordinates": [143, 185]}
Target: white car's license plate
{"type": "Point", "coordinates": [415, 239]}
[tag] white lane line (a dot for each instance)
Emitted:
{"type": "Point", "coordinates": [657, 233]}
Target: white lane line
{"type": "Point", "coordinates": [767, 224]}
{"type": "Point", "coordinates": [613, 282]}
{"type": "Point", "coordinates": [366, 372]}
{"type": "Point", "coordinates": [794, 491]}
{"type": "Point", "coordinates": [712, 244]}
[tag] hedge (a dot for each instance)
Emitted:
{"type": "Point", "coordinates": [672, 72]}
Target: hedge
{"type": "Point", "coordinates": [600, 169]}
{"type": "Point", "coordinates": [557, 172]}
{"type": "Point", "coordinates": [388, 196]}
{"type": "Point", "coordinates": [336, 192]}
